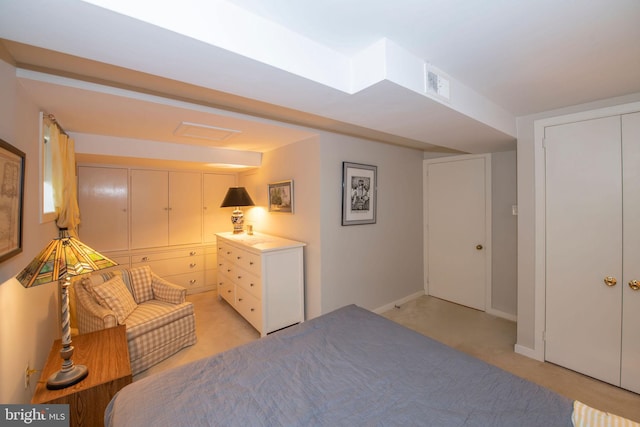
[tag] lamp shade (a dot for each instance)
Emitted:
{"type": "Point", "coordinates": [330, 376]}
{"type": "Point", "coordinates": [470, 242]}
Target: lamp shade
{"type": "Point", "coordinates": [63, 256]}
{"type": "Point", "coordinates": [237, 196]}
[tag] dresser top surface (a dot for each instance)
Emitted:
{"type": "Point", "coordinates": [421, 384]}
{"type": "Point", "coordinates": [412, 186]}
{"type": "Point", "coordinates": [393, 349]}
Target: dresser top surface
{"type": "Point", "coordinates": [260, 241]}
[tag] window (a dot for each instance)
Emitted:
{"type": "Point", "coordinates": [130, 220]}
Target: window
{"type": "Point", "coordinates": [47, 207]}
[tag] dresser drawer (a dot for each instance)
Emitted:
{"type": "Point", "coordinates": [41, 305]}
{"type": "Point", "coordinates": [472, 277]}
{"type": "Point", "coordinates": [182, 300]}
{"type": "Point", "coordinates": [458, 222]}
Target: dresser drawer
{"type": "Point", "coordinates": [188, 280]}
{"type": "Point", "coordinates": [225, 250]}
{"type": "Point", "coordinates": [159, 256]}
{"type": "Point", "coordinates": [247, 260]}
{"type": "Point", "coordinates": [226, 289]}
{"type": "Point", "coordinates": [169, 267]}
{"type": "Point", "coordinates": [249, 282]}
{"type": "Point", "coordinates": [249, 307]}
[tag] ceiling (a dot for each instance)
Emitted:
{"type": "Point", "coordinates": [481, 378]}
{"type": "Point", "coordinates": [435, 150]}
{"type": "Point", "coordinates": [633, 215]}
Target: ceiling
{"type": "Point", "coordinates": [259, 74]}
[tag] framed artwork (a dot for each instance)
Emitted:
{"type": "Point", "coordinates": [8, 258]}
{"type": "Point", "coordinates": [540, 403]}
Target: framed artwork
{"type": "Point", "coordinates": [281, 197]}
{"type": "Point", "coordinates": [359, 185]}
{"type": "Point", "coordinates": [11, 200]}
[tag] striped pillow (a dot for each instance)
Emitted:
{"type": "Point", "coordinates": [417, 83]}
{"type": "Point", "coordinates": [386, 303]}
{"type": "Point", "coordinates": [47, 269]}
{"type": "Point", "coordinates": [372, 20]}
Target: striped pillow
{"type": "Point", "coordinates": [114, 294]}
{"type": "Point", "coordinates": [586, 416]}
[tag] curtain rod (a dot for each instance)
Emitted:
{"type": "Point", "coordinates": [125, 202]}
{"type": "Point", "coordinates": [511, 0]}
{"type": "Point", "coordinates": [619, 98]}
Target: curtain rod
{"type": "Point", "coordinates": [53, 120]}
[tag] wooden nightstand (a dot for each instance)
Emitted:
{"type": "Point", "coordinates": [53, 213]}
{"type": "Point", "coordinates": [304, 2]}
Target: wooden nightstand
{"type": "Point", "coordinates": [106, 355]}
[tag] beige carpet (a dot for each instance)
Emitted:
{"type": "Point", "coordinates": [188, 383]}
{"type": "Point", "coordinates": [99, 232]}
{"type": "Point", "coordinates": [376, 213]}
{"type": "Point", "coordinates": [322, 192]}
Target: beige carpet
{"type": "Point", "coordinates": [489, 338]}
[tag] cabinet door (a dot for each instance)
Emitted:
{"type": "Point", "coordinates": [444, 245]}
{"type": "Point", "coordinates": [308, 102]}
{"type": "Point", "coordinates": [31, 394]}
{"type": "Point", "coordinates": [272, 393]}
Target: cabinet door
{"type": "Point", "coordinates": [584, 246]}
{"type": "Point", "coordinates": [185, 208]}
{"type": "Point", "coordinates": [630, 372]}
{"type": "Point", "coordinates": [102, 198]}
{"type": "Point", "coordinates": [216, 220]}
{"type": "Point", "coordinates": [149, 208]}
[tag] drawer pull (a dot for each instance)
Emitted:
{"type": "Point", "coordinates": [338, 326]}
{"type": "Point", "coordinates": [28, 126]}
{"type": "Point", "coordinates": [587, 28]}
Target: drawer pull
{"type": "Point", "coordinates": [239, 277]}
{"type": "Point", "coordinates": [228, 252]}
{"type": "Point", "coordinates": [228, 291]}
{"type": "Point", "coordinates": [250, 262]}
{"type": "Point", "coordinates": [193, 264]}
{"type": "Point", "coordinates": [253, 309]}
{"type": "Point", "coordinates": [239, 299]}
{"type": "Point", "coordinates": [228, 270]}
{"type": "Point", "coordinates": [145, 258]}
{"type": "Point", "coordinates": [220, 265]}
{"type": "Point", "coordinates": [192, 253]}
{"type": "Point", "coordinates": [192, 281]}
{"type": "Point", "coordinates": [251, 285]}
{"type": "Point", "coordinates": [238, 257]}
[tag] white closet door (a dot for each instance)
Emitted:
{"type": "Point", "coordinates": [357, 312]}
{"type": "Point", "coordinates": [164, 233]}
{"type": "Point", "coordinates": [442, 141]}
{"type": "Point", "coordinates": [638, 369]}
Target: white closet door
{"type": "Point", "coordinates": [584, 247]}
{"type": "Point", "coordinates": [103, 195]}
{"type": "Point", "coordinates": [216, 220]}
{"type": "Point", "coordinates": [457, 236]}
{"type": "Point", "coordinates": [630, 372]}
{"type": "Point", "coordinates": [185, 208]}
{"type": "Point", "coordinates": [149, 209]}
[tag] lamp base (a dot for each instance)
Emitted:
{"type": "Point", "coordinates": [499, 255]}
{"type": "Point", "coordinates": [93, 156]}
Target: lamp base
{"type": "Point", "coordinates": [63, 379]}
{"type": "Point", "coordinates": [237, 219]}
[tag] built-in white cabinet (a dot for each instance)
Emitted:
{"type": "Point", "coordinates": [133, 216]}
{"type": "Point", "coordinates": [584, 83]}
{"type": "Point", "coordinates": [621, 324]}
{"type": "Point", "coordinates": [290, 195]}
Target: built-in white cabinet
{"type": "Point", "coordinates": [167, 219]}
{"type": "Point", "coordinates": [103, 199]}
{"type": "Point", "coordinates": [592, 203]}
{"type": "Point", "coordinates": [262, 277]}
{"type": "Point", "coordinates": [215, 187]}
{"type": "Point", "coordinates": [166, 208]}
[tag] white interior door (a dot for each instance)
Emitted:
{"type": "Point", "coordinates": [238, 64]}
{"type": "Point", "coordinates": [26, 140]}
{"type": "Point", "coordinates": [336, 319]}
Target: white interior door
{"type": "Point", "coordinates": [630, 371]}
{"type": "Point", "coordinates": [584, 247]}
{"type": "Point", "coordinates": [457, 234]}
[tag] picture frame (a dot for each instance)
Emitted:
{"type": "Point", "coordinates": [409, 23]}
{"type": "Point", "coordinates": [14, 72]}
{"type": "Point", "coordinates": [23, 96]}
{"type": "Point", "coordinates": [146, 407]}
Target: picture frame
{"type": "Point", "coordinates": [281, 196]}
{"type": "Point", "coordinates": [12, 163]}
{"type": "Point", "coordinates": [359, 193]}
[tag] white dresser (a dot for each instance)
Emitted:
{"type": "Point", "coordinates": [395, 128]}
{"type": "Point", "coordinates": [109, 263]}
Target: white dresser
{"type": "Point", "coordinates": [262, 277]}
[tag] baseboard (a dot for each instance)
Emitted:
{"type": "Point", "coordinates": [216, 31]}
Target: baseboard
{"type": "Point", "coordinates": [528, 352]}
{"type": "Point", "coordinates": [396, 303]}
{"type": "Point", "coordinates": [502, 314]}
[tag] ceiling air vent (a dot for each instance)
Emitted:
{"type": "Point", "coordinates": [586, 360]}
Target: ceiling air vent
{"type": "Point", "coordinates": [200, 131]}
{"type": "Point", "coordinates": [436, 83]}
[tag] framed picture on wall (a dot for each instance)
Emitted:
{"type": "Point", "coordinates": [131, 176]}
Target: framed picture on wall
{"type": "Point", "coordinates": [11, 200]}
{"type": "Point", "coordinates": [359, 198]}
{"type": "Point", "coordinates": [281, 197]}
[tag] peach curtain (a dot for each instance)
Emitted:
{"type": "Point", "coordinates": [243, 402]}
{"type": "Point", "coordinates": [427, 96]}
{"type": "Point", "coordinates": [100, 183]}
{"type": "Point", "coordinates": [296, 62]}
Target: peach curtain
{"type": "Point", "coordinates": [63, 180]}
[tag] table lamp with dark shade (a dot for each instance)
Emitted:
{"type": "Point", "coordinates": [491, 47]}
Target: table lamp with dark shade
{"type": "Point", "coordinates": [62, 258]}
{"type": "Point", "coordinates": [237, 197]}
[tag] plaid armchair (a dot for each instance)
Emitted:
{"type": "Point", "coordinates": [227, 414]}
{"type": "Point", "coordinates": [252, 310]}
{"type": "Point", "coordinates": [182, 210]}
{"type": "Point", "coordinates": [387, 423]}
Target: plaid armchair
{"type": "Point", "coordinates": [158, 320]}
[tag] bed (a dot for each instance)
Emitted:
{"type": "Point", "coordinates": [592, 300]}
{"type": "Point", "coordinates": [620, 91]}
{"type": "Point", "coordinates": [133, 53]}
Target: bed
{"type": "Point", "coordinates": [349, 367]}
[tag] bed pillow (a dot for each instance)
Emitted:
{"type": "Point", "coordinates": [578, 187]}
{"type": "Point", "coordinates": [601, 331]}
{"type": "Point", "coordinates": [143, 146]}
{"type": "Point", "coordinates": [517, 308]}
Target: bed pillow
{"type": "Point", "coordinates": [114, 294]}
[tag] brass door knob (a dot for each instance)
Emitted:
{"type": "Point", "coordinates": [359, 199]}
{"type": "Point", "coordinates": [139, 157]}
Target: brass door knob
{"type": "Point", "coordinates": [610, 281]}
{"type": "Point", "coordinates": [479, 247]}
{"type": "Point", "coordinates": [634, 284]}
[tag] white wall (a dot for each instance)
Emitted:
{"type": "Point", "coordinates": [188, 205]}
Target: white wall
{"type": "Point", "coordinates": [371, 265]}
{"type": "Point", "coordinates": [527, 259]}
{"type": "Point", "coordinates": [299, 162]}
{"type": "Point", "coordinates": [374, 265]}
{"type": "Point", "coordinates": [28, 317]}
{"type": "Point", "coordinates": [504, 227]}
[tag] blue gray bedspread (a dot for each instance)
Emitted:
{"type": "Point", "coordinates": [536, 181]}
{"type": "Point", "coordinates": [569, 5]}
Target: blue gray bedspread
{"type": "Point", "coordinates": [350, 367]}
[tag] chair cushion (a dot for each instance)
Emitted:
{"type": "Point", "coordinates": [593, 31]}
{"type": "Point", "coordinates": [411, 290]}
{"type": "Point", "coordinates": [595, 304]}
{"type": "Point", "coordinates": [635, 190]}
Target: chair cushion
{"type": "Point", "coordinates": [141, 278]}
{"type": "Point", "coordinates": [114, 294]}
{"type": "Point", "coordinates": [155, 314]}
